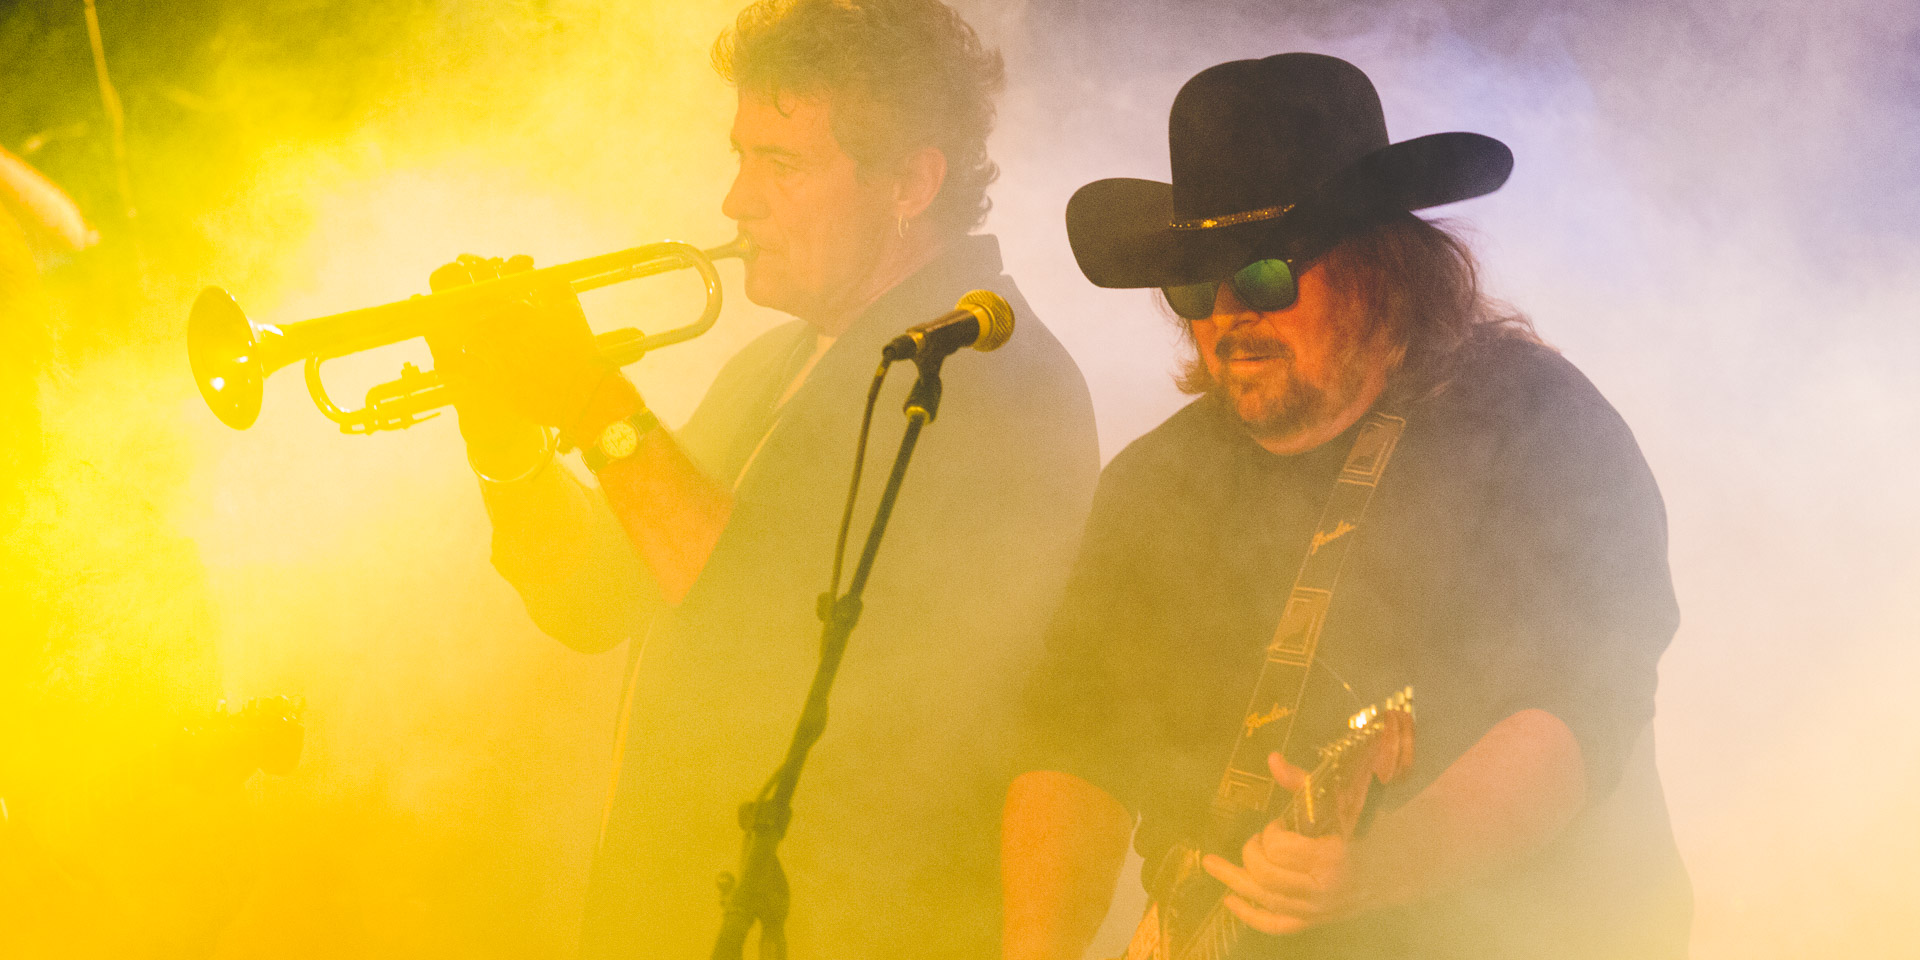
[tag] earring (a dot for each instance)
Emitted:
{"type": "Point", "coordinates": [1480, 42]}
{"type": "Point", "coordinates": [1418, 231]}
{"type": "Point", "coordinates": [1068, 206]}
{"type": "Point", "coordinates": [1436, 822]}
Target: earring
{"type": "Point", "coordinates": [901, 222]}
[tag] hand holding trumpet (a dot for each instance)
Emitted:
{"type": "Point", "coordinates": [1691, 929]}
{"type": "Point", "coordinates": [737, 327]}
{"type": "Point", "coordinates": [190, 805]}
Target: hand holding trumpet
{"type": "Point", "coordinates": [516, 366]}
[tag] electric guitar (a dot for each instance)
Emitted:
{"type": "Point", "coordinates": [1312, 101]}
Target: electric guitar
{"type": "Point", "coordinates": [1188, 919]}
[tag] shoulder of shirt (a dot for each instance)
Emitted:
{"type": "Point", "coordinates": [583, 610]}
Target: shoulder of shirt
{"type": "Point", "coordinates": [777, 338]}
{"type": "Point", "coordinates": [1527, 392]}
{"type": "Point", "coordinates": [1516, 377]}
{"type": "Point", "coordinates": [1033, 370]}
{"type": "Point", "coordinates": [1178, 446]}
{"type": "Point", "coordinates": [770, 347]}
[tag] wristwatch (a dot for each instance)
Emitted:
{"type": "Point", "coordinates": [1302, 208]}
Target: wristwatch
{"type": "Point", "coordinates": [619, 440]}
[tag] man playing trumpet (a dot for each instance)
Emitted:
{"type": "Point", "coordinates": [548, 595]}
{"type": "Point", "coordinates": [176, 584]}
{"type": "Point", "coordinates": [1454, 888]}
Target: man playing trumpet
{"type": "Point", "coordinates": [861, 133]}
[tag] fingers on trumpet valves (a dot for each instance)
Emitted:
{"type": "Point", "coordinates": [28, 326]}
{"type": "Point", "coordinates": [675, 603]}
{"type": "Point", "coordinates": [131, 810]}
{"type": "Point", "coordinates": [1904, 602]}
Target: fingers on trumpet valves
{"type": "Point", "coordinates": [500, 440]}
{"type": "Point", "coordinates": [463, 270]}
{"type": "Point", "coordinates": [453, 338]}
{"type": "Point", "coordinates": [471, 268]}
{"type": "Point", "coordinates": [523, 357]}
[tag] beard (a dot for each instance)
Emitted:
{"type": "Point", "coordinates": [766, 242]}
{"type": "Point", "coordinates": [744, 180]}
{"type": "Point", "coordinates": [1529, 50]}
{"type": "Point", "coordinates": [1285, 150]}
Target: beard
{"type": "Point", "coordinates": [1277, 402]}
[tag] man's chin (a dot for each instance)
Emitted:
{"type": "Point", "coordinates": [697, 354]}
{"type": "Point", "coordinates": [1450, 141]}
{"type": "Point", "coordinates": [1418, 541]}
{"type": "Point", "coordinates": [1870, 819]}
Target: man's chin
{"type": "Point", "coordinates": [767, 291]}
{"type": "Point", "coordinates": [1252, 404]}
{"type": "Point", "coordinates": [1263, 414]}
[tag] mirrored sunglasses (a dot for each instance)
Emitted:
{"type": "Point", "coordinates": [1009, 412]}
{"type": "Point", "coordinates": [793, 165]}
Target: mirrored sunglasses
{"type": "Point", "coordinates": [1262, 285]}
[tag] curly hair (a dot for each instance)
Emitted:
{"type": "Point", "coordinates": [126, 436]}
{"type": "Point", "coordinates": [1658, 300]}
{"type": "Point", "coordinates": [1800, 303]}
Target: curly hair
{"type": "Point", "coordinates": [902, 75]}
{"type": "Point", "coordinates": [1417, 282]}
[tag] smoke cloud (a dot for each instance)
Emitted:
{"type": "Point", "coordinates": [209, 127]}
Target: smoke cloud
{"type": "Point", "coordinates": [1713, 215]}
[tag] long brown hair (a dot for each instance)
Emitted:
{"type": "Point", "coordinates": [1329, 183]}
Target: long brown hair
{"type": "Point", "coordinates": [1418, 282]}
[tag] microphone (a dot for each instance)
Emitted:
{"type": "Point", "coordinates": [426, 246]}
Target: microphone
{"type": "Point", "coordinates": [981, 320]}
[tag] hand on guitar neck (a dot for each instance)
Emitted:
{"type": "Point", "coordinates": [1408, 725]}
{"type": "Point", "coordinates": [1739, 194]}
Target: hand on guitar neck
{"type": "Point", "coordinates": [1295, 872]}
{"type": "Point", "coordinates": [1287, 881]}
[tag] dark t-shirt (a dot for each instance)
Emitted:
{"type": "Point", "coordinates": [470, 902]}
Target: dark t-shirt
{"type": "Point", "coordinates": [1513, 557]}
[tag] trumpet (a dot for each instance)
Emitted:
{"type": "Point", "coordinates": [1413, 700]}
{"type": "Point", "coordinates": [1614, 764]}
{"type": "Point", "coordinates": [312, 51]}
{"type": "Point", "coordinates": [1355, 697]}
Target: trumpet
{"type": "Point", "coordinates": [232, 356]}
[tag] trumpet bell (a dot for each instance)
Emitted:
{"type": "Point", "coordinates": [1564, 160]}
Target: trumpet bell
{"type": "Point", "coordinates": [223, 349]}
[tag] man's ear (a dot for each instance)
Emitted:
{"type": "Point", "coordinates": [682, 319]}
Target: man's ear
{"type": "Point", "coordinates": [921, 174]}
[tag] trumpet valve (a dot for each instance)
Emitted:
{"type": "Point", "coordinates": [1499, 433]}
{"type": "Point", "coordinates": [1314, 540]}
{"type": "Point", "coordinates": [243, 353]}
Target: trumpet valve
{"type": "Point", "coordinates": [397, 404]}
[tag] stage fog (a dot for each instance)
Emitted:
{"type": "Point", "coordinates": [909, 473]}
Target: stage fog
{"type": "Point", "coordinates": [1712, 213]}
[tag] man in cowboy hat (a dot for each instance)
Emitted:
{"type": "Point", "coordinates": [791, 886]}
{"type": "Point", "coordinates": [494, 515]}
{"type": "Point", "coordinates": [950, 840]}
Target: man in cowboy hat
{"type": "Point", "coordinates": [1387, 481]}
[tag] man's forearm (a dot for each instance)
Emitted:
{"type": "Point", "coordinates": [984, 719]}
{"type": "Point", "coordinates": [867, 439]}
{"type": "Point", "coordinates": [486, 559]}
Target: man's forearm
{"type": "Point", "coordinates": [673, 512]}
{"type": "Point", "coordinates": [558, 544]}
{"type": "Point", "coordinates": [1063, 841]}
{"type": "Point", "coordinates": [1509, 795]}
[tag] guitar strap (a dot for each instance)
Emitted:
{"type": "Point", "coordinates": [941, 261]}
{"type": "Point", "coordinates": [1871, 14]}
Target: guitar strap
{"type": "Point", "coordinates": [1247, 786]}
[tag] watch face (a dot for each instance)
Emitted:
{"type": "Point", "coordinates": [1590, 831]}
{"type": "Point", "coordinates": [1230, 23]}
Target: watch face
{"type": "Point", "coordinates": [619, 440]}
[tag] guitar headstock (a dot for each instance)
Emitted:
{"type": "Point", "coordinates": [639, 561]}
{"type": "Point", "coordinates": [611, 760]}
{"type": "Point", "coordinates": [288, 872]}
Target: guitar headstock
{"type": "Point", "coordinates": [1378, 746]}
{"type": "Point", "coordinates": [1386, 730]}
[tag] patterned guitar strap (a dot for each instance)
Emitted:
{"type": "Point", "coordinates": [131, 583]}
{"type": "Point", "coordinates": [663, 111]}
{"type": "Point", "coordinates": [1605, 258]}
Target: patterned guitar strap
{"type": "Point", "coordinates": [1247, 787]}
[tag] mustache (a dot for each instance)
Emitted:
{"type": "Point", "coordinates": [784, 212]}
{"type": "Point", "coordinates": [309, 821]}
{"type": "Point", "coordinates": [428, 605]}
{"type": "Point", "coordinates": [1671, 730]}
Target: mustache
{"type": "Point", "coordinates": [1236, 346]}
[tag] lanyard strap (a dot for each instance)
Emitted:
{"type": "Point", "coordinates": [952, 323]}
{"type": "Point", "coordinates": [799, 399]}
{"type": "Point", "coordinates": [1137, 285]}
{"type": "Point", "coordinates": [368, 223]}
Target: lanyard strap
{"type": "Point", "coordinates": [1247, 785]}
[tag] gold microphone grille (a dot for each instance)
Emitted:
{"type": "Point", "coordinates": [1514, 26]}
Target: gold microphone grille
{"type": "Point", "coordinates": [995, 316]}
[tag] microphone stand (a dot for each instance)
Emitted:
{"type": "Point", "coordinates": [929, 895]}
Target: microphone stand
{"type": "Point", "coordinates": [758, 893]}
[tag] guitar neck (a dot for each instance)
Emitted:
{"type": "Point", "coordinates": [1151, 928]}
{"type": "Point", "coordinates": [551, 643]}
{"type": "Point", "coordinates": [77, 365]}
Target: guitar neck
{"type": "Point", "coordinates": [1220, 932]}
{"type": "Point", "coordinates": [1189, 919]}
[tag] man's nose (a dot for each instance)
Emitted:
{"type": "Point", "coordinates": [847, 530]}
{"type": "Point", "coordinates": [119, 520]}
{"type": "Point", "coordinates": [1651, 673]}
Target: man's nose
{"type": "Point", "coordinates": [1228, 311]}
{"type": "Point", "coordinates": [743, 200]}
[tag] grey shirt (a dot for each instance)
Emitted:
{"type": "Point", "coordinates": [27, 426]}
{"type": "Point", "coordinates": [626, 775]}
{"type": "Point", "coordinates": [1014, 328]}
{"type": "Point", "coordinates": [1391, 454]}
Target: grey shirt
{"type": "Point", "coordinates": [893, 849]}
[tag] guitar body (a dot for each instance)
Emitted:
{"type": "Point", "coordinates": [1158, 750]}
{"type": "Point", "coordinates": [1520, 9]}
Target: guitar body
{"type": "Point", "coordinates": [1188, 909]}
{"type": "Point", "coordinates": [1187, 918]}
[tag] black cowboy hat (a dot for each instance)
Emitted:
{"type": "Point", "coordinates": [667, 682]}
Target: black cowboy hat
{"type": "Point", "coordinates": [1275, 157]}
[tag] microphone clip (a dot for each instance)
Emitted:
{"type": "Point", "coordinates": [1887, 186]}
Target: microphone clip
{"type": "Point", "coordinates": [924, 399]}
